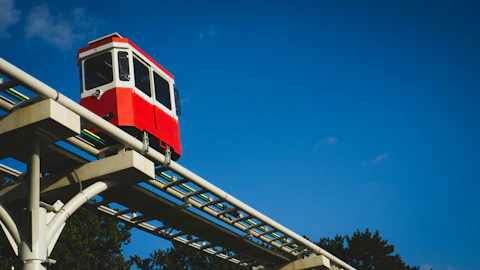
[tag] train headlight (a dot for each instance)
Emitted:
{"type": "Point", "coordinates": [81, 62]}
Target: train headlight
{"type": "Point", "coordinates": [97, 93]}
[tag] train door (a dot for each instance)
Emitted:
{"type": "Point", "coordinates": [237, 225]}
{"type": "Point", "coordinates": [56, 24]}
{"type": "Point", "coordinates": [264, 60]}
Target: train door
{"type": "Point", "coordinates": [142, 98]}
{"type": "Point", "coordinates": [165, 121]}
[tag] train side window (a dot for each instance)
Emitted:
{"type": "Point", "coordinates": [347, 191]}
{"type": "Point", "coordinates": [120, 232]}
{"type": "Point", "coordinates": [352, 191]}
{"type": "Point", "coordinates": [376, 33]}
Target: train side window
{"type": "Point", "coordinates": [81, 80]}
{"type": "Point", "coordinates": [177, 102]}
{"type": "Point", "coordinates": [162, 91]}
{"type": "Point", "coordinates": [123, 67]}
{"type": "Point", "coordinates": [142, 78]}
{"type": "Point", "coordinates": [98, 70]}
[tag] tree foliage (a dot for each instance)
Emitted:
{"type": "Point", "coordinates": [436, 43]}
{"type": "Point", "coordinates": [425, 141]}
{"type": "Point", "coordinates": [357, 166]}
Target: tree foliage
{"type": "Point", "coordinates": [88, 241]}
{"type": "Point", "coordinates": [182, 257]}
{"type": "Point", "coordinates": [365, 251]}
{"type": "Point", "coordinates": [7, 256]}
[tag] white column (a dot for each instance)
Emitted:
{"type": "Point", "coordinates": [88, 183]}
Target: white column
{"type": "Point", "coordinates": [33, 246]}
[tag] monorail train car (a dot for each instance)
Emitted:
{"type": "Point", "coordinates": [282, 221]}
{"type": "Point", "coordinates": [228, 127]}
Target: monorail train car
{"type": "Point", "coordinates": [125, 86]}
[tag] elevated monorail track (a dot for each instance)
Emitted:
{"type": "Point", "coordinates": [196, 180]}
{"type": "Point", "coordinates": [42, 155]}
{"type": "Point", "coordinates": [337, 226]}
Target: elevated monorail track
{"type": "Point", "coordinates": [203, 216]}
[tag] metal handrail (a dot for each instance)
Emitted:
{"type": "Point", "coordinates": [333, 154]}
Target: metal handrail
{"type": "Point", "coordinates": [40, 88]}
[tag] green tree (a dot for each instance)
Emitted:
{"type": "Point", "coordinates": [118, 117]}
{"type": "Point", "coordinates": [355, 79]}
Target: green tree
{"type": "Point", "coordinates": [182, 257]}
{"type": "Point", "coordinates": [7, 256]}
{"type": "Point", "coordinates": [365, 251]}
{"type": "Point", "coordinates": [88, 241]}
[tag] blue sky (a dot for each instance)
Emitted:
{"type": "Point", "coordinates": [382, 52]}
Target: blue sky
{"type": "Point", "coordinates": [327, 116]}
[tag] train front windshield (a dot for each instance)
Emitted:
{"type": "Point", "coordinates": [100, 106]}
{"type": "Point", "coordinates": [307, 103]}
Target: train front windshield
{"type": "Point", "coordinates": [98, 70]}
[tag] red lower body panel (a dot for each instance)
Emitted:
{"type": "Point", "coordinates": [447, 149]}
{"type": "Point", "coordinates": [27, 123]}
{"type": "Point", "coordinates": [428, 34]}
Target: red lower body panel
{"type": "Point", "coordinates": [132, 111]}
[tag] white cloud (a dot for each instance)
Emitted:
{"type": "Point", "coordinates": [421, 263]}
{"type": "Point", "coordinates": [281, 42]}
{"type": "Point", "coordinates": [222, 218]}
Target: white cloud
{"type": "Point", "coordinates": [187, 102]}
{"type": "Point", "coordinates": [326, 140]}
{"type": "Point", "coordinates": [60, 30]}
{"type": "Point", "coordinates": [331, 140]}
{"type": "Point", "coordinates": [448, 267]}
{"type": "Point", "coordinates": [381, 157]}
{"type": "Point", "coordinates": [210, 31]}
{"type": "Point", "coordinates": [426, 267]}
{"type": "Point", "coordinates": [144, 3]}
{"type": "Point", "coordinates": [8, 16]}
{"type": "Point", "coordinates": [376, 160]}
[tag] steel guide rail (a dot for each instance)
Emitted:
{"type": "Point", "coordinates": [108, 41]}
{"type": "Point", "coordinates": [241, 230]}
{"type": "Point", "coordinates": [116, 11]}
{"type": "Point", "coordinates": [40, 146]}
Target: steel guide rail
{"type": "Point", "coordinates": [277, 235]}
{"type": "Point", "coordinates": [261, 234]}
{"type": "Point", "coordinates": [138, 222]}
{"type": "Point", "coordinates": [162, 231]}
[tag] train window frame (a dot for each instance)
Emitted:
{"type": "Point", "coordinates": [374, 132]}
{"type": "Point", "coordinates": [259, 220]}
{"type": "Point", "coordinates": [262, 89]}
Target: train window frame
{"type": "Point", "coordinates": [124, 75]}
{"type": "Point", "coordinates": [170, 107]}
{"type": "Point", "coordinates": [85, 71]}
{"type": "Point", "coordinates": [80, 73]}
{"type": "Point", "coordinates": [148, 68]}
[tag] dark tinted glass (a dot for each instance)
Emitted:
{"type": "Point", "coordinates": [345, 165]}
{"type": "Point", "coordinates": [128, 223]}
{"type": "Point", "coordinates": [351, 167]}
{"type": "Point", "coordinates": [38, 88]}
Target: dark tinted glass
{"type": "Point", "coordinates": [162, 92]}
{"type": "Point", "coordinates": [81, 80]}
{"type": "Point", "coordinates": [123, 67]}
{"type": "Point", "coordinates": [142, 80]}
{"type": "Point", "coordinates": [177, 102]}
{"type": "Point", "coordinates": [98, 71]}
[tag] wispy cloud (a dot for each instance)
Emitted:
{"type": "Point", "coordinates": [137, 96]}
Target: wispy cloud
{"type": "Point", "coordinates": [61, 30]}
{"type": "Point", "coordinates": [331, 140]}
{"type": "Point", "coordinates": [426, 267]}
{"type": "Point", "coordinates": [326, 140]}
{"type": "Point", "coordinates": [210, 31]}
{"type": "Point", "coordinates": [377, 159]}
{"type": "Point", "coordinates": [9, 15]}
{"type": "Point", "coordinates": [448, 267]}
{"type": "Point", "coordinates": [137, 2]}
{"type": "Point", "coordinates": [187, 102]}
{"type": "Point", "coordinates": [381, 157]}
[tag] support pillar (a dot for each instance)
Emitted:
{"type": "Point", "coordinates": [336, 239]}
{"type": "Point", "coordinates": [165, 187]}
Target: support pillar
{"type": "Point", "coordinates": [33, 246]}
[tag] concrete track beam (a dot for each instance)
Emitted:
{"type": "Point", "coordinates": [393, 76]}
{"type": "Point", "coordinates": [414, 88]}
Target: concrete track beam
{"type": "Point", "coordinates": [126, 167]}
{"type": "Point", "coordinates": [319, 262]}
{"type": "Point", "coordinates": [49, 120]}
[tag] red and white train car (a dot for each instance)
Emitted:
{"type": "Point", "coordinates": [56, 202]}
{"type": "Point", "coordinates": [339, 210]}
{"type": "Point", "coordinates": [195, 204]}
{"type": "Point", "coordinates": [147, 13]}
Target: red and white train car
{"type": "Point", "coordinates": [124, 85]}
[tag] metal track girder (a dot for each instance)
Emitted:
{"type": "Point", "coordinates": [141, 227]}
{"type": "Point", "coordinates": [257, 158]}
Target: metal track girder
{"type": "Point", "coordinates": [126, 167]}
